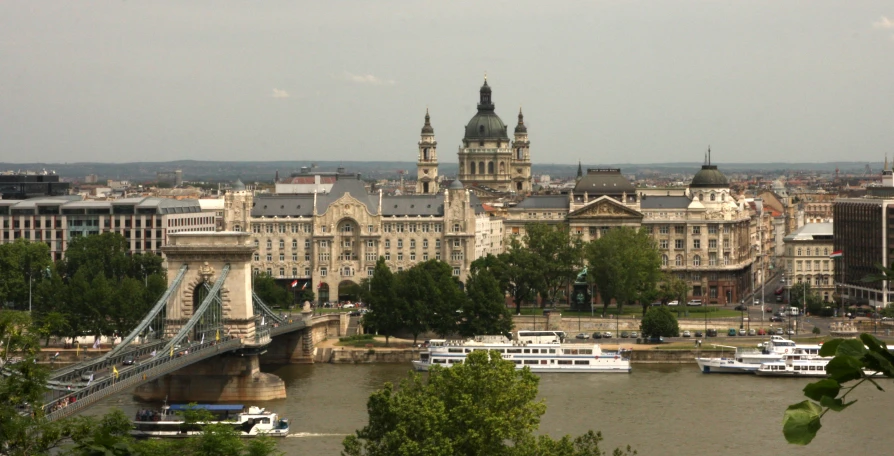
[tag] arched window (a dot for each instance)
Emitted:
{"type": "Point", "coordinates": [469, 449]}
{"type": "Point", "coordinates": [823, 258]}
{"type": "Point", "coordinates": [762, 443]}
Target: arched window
{"type": "Point", "coordinates": [678, 261]}
{"type": "Point", "coordinates": [471, 169]}
{"type": "Point", "coordinates": [696, 260]}
{"type": "Point", "coordinates": [269, 244]}
{"type": "Point", "coordinates": [518, 154]}
{"type": "Point", "coordinates": [826, 251]}
{"type": "Point", "coordinates": [425, 154]}
{"type": "Point", "coordinates": [799, 251]}
{"type": "Point", "coordinates": [713, 197]}
{"type": "Point", "coordinates": [490, 167]}
{"type": "Point", "coordinates": [664, 260]}
{"type": "Point", "coordinates": [481, 167]}
{"type": "Point", "coordinates": [808, 251]}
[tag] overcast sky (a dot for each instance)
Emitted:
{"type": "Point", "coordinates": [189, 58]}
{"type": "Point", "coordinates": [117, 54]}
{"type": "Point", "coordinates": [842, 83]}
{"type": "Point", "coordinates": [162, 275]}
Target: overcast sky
{"type": "Point", "coordinates": [600, 81]}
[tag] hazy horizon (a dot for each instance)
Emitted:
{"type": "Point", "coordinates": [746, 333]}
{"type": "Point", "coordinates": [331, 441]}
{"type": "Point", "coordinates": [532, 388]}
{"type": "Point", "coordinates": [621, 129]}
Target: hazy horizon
{"type": "Point", "coordinates": [641, 82]}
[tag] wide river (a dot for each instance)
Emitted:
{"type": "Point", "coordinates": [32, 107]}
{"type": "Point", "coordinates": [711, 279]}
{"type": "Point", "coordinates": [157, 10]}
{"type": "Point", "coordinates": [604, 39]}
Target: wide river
{"type": "Point", "coordinates": [657, 409]}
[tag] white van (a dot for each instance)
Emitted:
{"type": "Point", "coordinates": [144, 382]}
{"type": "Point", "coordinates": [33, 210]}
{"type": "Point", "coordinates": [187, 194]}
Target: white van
{"type": "Point", "coordinates": [694, 302]}
{"type": "Point", "coordinates": [793, 311]}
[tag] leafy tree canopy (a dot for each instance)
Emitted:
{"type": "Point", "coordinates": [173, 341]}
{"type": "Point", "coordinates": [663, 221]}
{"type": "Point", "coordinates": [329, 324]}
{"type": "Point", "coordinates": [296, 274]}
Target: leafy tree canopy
{"type": "Point", "coordinates": [659, 321]}
{"type": "Point", "coordinates": [482, 407]}
{"type": "Point", "coordinates": [625, 266]}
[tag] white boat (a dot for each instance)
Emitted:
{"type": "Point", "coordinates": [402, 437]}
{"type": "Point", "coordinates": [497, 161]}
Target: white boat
{"type": "Point", "coordinates": [248, 421]}
{"type": "Point", "coordinates": [742, 361]}
{"type": "Point", "coordinates": [795, 365]}
{"type": "Point", "coordinates": [538, 357]}
{"type": "Point", "coordinates": [782, 346]}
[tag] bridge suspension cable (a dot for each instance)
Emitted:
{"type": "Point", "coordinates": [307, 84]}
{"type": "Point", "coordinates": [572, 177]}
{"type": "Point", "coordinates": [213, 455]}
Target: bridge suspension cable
{"type": "Point", "coordinates": [200, 312]}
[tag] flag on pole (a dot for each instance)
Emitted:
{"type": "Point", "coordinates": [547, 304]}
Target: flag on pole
{"type": "Point", "coordinates": [294, 283]}
{"type": "Point", "coordinates": [837, 254]}
{"type": "Point", "coordinates": [203, 339]}
{"type": "Point", "coordinates": [172, 351]}
{"type": "Point", "coordinates": [150, 328]}
{"type": "Point", "coordinates": [77, 349]}
{"type": "Point", "coordinates": [263, 319]}
{"type": "Point", "coordinates": [90, 381]}
{"type": "Point", "coordinates": [114, 371]}
{"type": "Point", "coordinates": [320, 285]}
{"type": "Point", "coordinates": [56, 355]}
{"type": "Point", "coordinates": [217, 335]}
{"type": "Point", "coordinates": [304, 286]}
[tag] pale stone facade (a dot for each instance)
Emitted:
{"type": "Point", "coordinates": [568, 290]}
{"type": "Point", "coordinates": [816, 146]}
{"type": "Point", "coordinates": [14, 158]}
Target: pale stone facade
{"type": "Point", "coordinates": [806, 259]}
{"type": "Point", "coordinates": [329, 241]}
{"type": "Point", "coordinates": [488, 236]}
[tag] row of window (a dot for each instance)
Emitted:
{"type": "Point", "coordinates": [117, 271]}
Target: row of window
{"type": "Point", "coordinates": [414, 227]}
{"type": "Point", "coordinates": [697, 229]}
{"type": "Point", "coordinates": [679, 260]}
{"type": "Point", "coordinates": [810, 265]}
{"type": "Point", "coordinates": [324, 272]}
{"type": "Point", "coordinates": [680, 244]}
{"type": "Point", "coordinates": [809, 251]}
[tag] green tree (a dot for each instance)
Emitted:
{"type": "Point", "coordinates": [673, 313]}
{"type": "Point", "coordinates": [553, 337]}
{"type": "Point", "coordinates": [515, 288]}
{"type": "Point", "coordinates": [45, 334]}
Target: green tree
{"type": "Point", "coordinates": [556, 256]}
{"type": "Point", "coordinates": [856, 361]}
{"type": "Point", "coordinates": [53, 324]}
{"type": "Point", "coordinates": [444, 300]}
{"type": "Point", "coordinates": [484, 311]}
{"type": "Point", "coordinates": [659, 321]}
{"type": "Point", "coordinates": [481, 407]}
{"type": "Point", "coordinates": [22, 263]}
{"type": "Point", "coordinates": [415, 286]}
{"type": "Point", "coordinates": [625, 266]}
{"type": "Point", "coordinates": [517, 273]}
{"type": "Point", "coordinates": [813, 303]}
{"type": "Point", "coordinates": [269, 292]}
{"type": "Point", "coordinates": [673, 288]}
{"type": "Point", "coordinates": [386, 311]}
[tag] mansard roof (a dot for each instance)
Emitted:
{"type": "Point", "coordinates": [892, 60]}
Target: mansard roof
{"type": "Point", "coordinates": [664, 202]}
{"type": "Point", "coordinates": [543, 202]}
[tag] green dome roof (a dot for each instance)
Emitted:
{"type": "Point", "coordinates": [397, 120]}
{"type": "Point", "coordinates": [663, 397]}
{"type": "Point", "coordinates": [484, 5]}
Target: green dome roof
{"type": "Point", "coordinates": [486, 124]}
{"type": "Point", "coordinates": [709, 177]}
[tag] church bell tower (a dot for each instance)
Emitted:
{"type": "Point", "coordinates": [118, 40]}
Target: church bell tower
{"type": "Point", "coordinates": [520, 164]}
{"type": "Point", "coordinates": [427, 163]}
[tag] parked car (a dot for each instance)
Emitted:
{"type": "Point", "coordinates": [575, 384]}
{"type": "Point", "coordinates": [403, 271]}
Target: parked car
{"type": "Point", "coordinates": [582, 336]}
{"type": "Point", "coordinates": [780, 332]}
{"type": "Point", "coordinates": [597, 335]}
{"type": "Point", "coordinates": [607, 335]}
{"type": "Point", "coordinates": [354, 313]}
{"type": "Point", "coordinates": [656, 340]}
{"type": "Point", "coordinates": [87, 375]}
{"type": "Point", "coordinates": [742, 331]}
{"type": "Point", "coordinates": [673, 303]}
{"type": "Point", "coordinates": [776, 319]}
{"type": "Point", "coordinates": [731, 332]}
{"type": "Point", "coordinates": [761, 332]}
{"type": "Point", "coordinates": [790, 332]}
{"type": "Point", "coordinates": [634, 335]}
{"type": "Point", "coordinates": [752, 332]}
{"type": "Point", "coordinates": [694, 302]}
{"type": "Point", "coordinates": [699, 334]}
{"type": "Point", "coordinates": [625, 334]}
{"type": "Point", "coordinates": [348, 306]}
{"type": "Point", "coordinates": [741, 307]}
{"type": "Point", "coordinates": [711, 333]}
{"type": "Point", "coordinates": [687, 334]}
{"type": "Point", "coordinates": [128, 360]}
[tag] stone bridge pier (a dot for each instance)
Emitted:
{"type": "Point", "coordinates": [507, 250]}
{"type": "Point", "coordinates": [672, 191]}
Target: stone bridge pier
{"type": "Point", "coordinates": [233, 376]}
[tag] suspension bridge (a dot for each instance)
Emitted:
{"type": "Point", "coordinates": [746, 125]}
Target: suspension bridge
{"type": "Point", "coordinates": [208, 310]}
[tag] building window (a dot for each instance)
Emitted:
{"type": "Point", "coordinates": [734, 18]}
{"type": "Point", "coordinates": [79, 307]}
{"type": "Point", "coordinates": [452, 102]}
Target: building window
{"type": "Point", "coordinates": [370, 244]}
{"type": "Point", "coordinates": [282, 257]}
{"type": "Point", "coordinates": [808, 251]}
{"type": "Point", "coordinates": [456, 243]}
{"type": "Point", "coordinates": [256, 271]}
{"type": "Point", "coordinates": [696, 230]}
{"type": "Point", "coordinates": [424, 256]}
{"type": "Point", "coordinates": [307, 256]}
{"type": "Point", "coordinates": [294, 244]}
{"type": "Point", "coordinates": [269, 257]}
{"type": "Point", "coordinates": [387, 256]}
{"type": "Point", "coordinates": [387, 243]}
{"type": "Point", "coordinates": [269, 244]}
{"type": "Point", "coordinates": [456, 256]}
{"type": "Point", "coordinates": [269, 272]}
{"type": "Point", "coordinates": [369, 272]}
{"type": "Point", "coordinates": [826, 251]}
{"type": "Point", "coordinates": [412, 243]}
{"type": "Point", "coordinates": [696, 260]}
{"type": "Point", "coordinates": [696, 277]}
{"type": "Point", "coordinates": [412, 256]}
{"type": "Point", "coordinates": [307, 243]}
{"type": "Point", "coordinates": [662, 244]}
{"type": "Point", "coordinates": [438, 255]}
{"type": "Point", "coordinates": [456, 227]}
{"type": "Point", "coordinates": [294, 257]}
{"type": "Point", "coordinates": [678, 261]}
{"type": "Point", "coordinates": [456, 272]}
{"type": "Point", "coordinates": [712, 243]}
{"type": "Point", "coordinates": [323, 272]}
{"type": "Point", "coordinates": [324, 244]}
{"type": "Point", "coordinates": [696, 243]}
{"type": "Point", "coordinates": [437, 227]}
{"type": "Point", "coordinates": [680, 229]}
{"type": "Point", "coordinates": [306, 272]}
{"type": "Point", "coordinates": [282, 244]}
{"type": "Point", "coordinates": [413, 227]}
{"type": "Point", "coordinates": [712, 259]}
{"type": "Point", "coordinates": [712, 290]}
{"type": "Point", "coordinates": [369, 229]}
{"type": "Point", "coordinates": [712, 229]}
{"type": "Point", "coordinates": [257, 244]}
{"type": "Point", "coordinates": [798, 266]}
{"type": "Point", "coordinates": [257, 257]}
{"type": "Point", "coordinates": [799, 251]}
{"type": "Point", "coordinates": [399, 227]}
{"type": "Point", "coordinates": [386, 227]}
{"type": "Point", "coordinates": [400, 243]}
{"type": "Point", "coordinates": [664, 260]}
{"type": "Point", "coordinates": [437, 243]}
{"type": "Point", "coordinates": [294, 272]}
{"type": "Point", "coordinates": [282, 272]}
{"type": "Point", "coordinates": [400, 256]}
{"type": "Point", "coordinates": [425, 227]}
{"type": "Point", "coordinates": [425, 243]}
{"type": "Point", "coordinates": [678, 244]}
{"type": "Point", "coordinates": [663, 229]}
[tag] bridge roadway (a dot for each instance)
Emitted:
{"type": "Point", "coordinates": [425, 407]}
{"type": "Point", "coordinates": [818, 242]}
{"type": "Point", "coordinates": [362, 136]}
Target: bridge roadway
{"type": "Point", "coordinates": [146, 367]}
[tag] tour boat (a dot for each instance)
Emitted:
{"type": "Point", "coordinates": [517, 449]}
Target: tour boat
{"type": "Point", "coordinates": [795, 365]}
{"type": "Point", "coordinates": [248, 421]}
{"type": "Point", "coordinates": [538, 357]}
{"type": "Point", "coordinates": [744, 361]}
{"type": "Point", "coordinates": [781, 346]}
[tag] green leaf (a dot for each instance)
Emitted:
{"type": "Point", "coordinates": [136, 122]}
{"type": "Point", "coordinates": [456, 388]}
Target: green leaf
{"type": "Point", "coordinates": [823, 388]}
{"type": "Point", "coordinates": [851, 347]}
{"type": "Point", "coordinates": [879, 363]}
{"type": "Point", "coordinates": [877, 346]}
{"type": "Point", "coordinates": [835, 404]}
{"type": "Point", "coordinates": [801, 422]}
{"type": "Point", "coordinates": [844, 368]}
{"type": "Point", "coordinates": [829, 347]}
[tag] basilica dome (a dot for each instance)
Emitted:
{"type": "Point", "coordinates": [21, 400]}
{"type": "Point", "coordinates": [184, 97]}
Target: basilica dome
{"type": "Point", "coordinates": [486, 124]}
{"type": "Point", "coordinates": [709, 177]}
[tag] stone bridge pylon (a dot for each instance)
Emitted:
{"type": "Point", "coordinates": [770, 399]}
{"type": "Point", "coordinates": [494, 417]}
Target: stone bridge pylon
{"type": "Point", "coordinates": [232, 376]}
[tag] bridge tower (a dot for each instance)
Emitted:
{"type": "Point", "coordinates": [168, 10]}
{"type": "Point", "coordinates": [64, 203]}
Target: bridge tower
{"type": "Point", "coordinates": [232, 376]}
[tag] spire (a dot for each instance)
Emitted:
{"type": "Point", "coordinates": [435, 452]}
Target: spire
{"type": "Point", "coordinates": [485, 102]}
{"type": "Point", "coordinates": [427, 128]}
{"type": "Point", "coordinates": [709, 154]}
{"type": "Point", "coordinates": [580, 171]}
{"type": "Point", "coordinates": [521, 128]}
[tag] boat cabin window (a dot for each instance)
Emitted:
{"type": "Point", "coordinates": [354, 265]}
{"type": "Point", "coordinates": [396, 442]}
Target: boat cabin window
{"type": "Point", "coordinates": [527, 350]}
{"type": "Point", "coordinates": [552, 350]}
{"type": "Point", "coordinates": [454, 350]}
{"type": "Point", "coordinates": [564, 361]}
{"type": "Point", "coordinates": [530, 361]}
{"type": "Point", "coordinates": [586, 351]}
{"type": "Point", "coordinates": [513, 350]}
{"type": "Point", "coordinates": [582, 362]}
{"type": "Point", "coordinates": [516, 361]}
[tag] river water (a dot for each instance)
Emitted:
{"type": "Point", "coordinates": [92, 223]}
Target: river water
{"type": "Point", "coordinates": [657, 409]}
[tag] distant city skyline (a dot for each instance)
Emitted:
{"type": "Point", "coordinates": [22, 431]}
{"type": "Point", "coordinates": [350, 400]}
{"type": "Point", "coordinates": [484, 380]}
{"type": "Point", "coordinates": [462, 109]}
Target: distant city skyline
{"type": "Point", "coordinates": [600, 82]}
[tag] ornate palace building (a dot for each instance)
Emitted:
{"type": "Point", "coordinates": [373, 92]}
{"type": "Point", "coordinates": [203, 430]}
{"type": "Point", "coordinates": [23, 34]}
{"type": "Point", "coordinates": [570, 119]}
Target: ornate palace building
{"type": "Point", "coordinates": [330, 240]}
{"type": "Point", "coordinates": [701, 231]}
{"type": "Point", "coordinates": [489, 162]}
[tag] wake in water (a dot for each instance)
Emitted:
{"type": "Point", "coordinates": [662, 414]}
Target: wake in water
{"type": "Point", "coordinates": [314, 434]}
